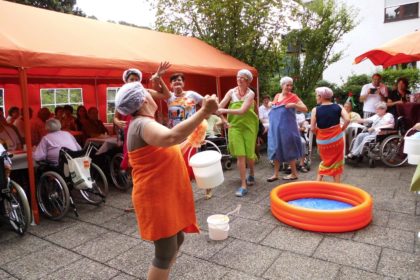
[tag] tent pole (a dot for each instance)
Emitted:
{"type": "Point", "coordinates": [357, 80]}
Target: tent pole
{"type": "Point", "coordinates": [23, 79]}
{"type": "Point", "coordinates": [258, 92]}
{"type": "Point", "coordinates": [218, 88]}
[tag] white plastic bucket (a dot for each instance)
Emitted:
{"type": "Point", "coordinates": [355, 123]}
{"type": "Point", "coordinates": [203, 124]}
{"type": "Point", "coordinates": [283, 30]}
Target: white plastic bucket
{"type": "Point", "coordinates": [207, 168]}
{"type": "Point", "coordinates": [413, 159]}
{"type": "Point", "coordinates": [412, 145]}
{"type": "Point", "coordinates": [218, 226]}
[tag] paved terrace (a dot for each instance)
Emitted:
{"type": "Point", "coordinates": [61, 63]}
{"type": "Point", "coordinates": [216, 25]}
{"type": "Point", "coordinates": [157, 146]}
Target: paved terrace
{"type": "Point", "coordinates": [103, 242]}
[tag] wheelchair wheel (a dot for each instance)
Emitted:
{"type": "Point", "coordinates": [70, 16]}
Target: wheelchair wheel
{"type": "Point", "coordinates": [392, 151]}
{"type": "Point", "coordinates": [120, 178]}
{"type": "Point", "coordinates": [18, 210]}
{"type": "Point", "coordinates": [97, 194]}
{"type": "Point", "coordinates": [53, 195]}
{"type": "Point", "coordinates": [227, 164]}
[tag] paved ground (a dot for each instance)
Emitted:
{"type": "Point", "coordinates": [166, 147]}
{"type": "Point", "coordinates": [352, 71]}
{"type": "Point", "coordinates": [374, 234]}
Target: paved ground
{"type": "Point", "coordinates": [103, 242]}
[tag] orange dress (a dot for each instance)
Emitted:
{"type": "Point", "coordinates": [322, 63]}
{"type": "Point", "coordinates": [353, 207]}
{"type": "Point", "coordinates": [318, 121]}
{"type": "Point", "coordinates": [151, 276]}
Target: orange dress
{"type": "Point", "coordinates": [162, 195]}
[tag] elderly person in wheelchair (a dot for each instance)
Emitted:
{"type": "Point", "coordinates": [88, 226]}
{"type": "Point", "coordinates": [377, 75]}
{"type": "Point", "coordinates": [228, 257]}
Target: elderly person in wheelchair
{"type": "Point", "coordinates": [380, 121]}
{"type": "Point", "coordinates": [49, 148]}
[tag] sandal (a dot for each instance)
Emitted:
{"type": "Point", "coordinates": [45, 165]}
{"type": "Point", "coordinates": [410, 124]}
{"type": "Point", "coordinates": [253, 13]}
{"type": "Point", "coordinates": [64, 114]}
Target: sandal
{"type": "Point", "coordinates": [303, 169]}
{"type": "Point", "coordinates": [241, 192]}
{"type": "Point", "coordinates": [289, 178]}
{"type": "Point", "coordinates": [272, 179]}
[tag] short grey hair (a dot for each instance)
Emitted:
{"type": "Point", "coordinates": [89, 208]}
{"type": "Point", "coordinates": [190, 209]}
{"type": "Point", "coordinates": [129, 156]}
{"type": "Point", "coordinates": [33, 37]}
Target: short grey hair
{"type": "Point", "coordinates": [246, 74]}
{"type": "Point", "coordinates": [285, 80]}
{"type": "Point", "coordinates": [380, 105]}
{"type": "Point", "coordinates": [52, 125]}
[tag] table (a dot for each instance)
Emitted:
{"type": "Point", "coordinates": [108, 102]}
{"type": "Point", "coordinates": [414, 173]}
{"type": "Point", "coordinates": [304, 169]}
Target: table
{"type": "Point", "coordinates": [20, 160]}
{"type": "Point", "coordinates": [107, 142]}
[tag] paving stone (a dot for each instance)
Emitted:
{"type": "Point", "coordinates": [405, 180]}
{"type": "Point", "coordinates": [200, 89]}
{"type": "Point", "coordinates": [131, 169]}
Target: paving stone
{"type": "Point", "coordinates": [294, 240]}
{"type": "Point", "coordinates": [395, 205]}
{"type": "Point", "coordinates": [247, 257]}
{"type": "Point", "coordinates": [98, 214]}
{"type": "Point", "coordinates": [135, 261]}
{"type": "Point", "coordinates": [123, 276]}
{"type": "Point", "coordinates": [249, 210]}
{"type": "Point", "coordinates": [84, 269]}
{"type": "Point", "coordinates": [294, 266]}
{"type": "Point", "coordinates": [126, 223]}
{"type": "Point", "coordinates": [191, 268]}
{"type": "Point", "coordinates": [418, 208]}
{"type": "Point", "coordinates": [19, 247]}
{"type": "Point", "coordinates": [201, 246]}
{"type": "Point", "coordinates": [269, 218]}
{"type": "Point", "coordinates": [349, 273]}
{"type": "Point", "coordinates": [118, 199]}
{"type": "Point", "coordinates": [380, 217]}
{"type": "Point", "coordinates": [215, 206]}
{"type": "Point", "coordinates": [404, 222]}
{"type": "Point", "coordinates": [76, 235]}
{"type": "Point", "coordinates": [399, 264]}
{"type": "Point", "coordinates": [236, 275]}
{"type": "Point", "coordinates": [107, 246]}
{"type": "Point", "coordinates": [350, 253]}
{"type": "Point", "coordinates": [386, 237]}
{"type": "Point", "coordinates": [6, 276]}
{"type": "Point", "coordinates": [47, 227]}
{"type": "Point", "coordinates": [43, 262]}
{"type": "Point", "coordinates": [250, 230]}
{"type": "Point", "coordinates": [403, 192]}
{"type": "Point", "coordinates": [6, 234]}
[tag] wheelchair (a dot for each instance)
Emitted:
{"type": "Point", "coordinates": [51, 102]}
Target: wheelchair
{"type": "Point", "coordinates": [387, 146]}
{"type": "Point", "coordinates": [57, 182]}
{"type": "Point", "coordinates": [120, 178]}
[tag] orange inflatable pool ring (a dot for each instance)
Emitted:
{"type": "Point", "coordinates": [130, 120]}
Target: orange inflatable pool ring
{"type": "Point", "coordinates": [341, 220]}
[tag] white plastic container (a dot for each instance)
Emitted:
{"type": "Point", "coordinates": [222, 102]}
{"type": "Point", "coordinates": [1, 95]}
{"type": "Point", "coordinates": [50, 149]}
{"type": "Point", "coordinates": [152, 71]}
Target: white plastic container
{"type": "Point", "coordinates": [413, 159]}
{"type": "Point", "coordinates": [218, 226]}
{"type": "Point", "coordinates": [412, 145]}
{"type": "Point", "coordinates": [207, 168]}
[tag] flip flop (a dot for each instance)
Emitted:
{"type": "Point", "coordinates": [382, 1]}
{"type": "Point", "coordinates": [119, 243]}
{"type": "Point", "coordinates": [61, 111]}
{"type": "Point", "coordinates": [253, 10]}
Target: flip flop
{"type": "Point", "coordinates": [289, 178]}
{"type": "Point", "coordinates": [272, 179]}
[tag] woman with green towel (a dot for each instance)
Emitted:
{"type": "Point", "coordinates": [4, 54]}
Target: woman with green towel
{"type": "Point", "coordinates": [243, 127]}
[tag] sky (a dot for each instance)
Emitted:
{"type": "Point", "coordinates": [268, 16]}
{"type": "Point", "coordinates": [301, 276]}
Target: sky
{"type": "Point", "coordinates": [138, 12]}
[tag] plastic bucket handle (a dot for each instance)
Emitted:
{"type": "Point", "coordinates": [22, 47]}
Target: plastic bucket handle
{"type": "Point", "coordinates": [205, 141]}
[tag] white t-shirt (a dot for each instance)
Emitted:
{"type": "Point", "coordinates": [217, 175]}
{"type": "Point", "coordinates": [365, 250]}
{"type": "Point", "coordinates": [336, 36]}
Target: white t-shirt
{"type": "Point", "coordinates": [386, 121]}
{"type": "Point", "coordinates": [181, 108]}
{"type": "Point", "coordinates": [263, 114]}
{"type": "Point", "coordinates": [372, 99]}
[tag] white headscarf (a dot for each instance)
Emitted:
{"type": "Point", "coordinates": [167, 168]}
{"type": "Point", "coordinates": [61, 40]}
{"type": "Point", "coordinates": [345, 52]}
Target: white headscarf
{"type": "Point", "coordinates": [246, 74]}
{"type": "Point", "coordinates": [129, 98]}
{"type": "Point", "coordinates": [130, 71]}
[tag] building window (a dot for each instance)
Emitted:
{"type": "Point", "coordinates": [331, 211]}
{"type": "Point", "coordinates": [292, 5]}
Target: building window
{"type": "Point", "coordinates": [396, 10]}
{"type": "Point", "coordinates": [110, 103]}
{"type": "Point", "coordinates": [2, 100]}
{"type": "Point", "coordinates": [53, 97]}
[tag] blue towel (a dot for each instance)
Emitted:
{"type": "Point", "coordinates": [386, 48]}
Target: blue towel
{"type": "Point", "coordinates": [283, 135]}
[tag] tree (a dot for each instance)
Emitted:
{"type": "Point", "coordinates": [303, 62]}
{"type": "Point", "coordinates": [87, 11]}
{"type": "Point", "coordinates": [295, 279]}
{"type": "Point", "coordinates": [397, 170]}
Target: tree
{"type": "Point", "coordinates": [248, 30]}
{"type": "Point", "coordinates": [63, 6]}
{"type": "Point", "coordinates": [311, 47]}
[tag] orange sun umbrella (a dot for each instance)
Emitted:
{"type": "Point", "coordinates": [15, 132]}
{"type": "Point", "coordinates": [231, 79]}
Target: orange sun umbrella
{"type": "Point", "coordinates": [403, 49]}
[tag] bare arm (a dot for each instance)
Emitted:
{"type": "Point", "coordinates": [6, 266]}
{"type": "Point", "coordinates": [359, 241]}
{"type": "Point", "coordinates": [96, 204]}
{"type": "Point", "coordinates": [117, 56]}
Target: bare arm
{"type": "Point", "coordinates": [160, 90]}
{"type": "Point", "coordinates": [314, 128]}
{"type": "Point", "coordinates": [346, 118]}
{"type": "Point", "coordinates": [117, 120]}
{"type": "Point", "coordinates": [300, 106]}
{"type": "Point", "coordinates": [158, 135]}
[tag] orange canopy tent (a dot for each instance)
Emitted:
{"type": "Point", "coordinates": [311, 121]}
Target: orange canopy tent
{"type": "Point", "coordinates": [403, 49]}
{"type": "Point", "coordinates": [41, 43]}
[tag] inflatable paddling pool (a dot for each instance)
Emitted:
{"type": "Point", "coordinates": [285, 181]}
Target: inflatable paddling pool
{"type": "Point", "coordinates": [338, 207]}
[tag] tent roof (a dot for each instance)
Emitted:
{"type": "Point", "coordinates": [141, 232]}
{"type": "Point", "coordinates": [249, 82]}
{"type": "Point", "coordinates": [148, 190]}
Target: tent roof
{"type": "Point", "coordinates": [52, 43]}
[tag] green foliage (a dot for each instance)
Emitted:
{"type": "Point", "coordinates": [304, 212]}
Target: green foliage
{"type": "Point", "coordinates": [390, 76]}
{"type": "Point", "coordinates": [62, 6]}
{"type": "Point", "coordinates": [324, 22]}
{"type": "Point", "coordinates": [248, 30]}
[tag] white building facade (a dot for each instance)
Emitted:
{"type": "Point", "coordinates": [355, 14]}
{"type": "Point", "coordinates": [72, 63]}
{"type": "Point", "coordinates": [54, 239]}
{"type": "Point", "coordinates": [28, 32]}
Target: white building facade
{"type": "Point", "coordinates": [379, 21]}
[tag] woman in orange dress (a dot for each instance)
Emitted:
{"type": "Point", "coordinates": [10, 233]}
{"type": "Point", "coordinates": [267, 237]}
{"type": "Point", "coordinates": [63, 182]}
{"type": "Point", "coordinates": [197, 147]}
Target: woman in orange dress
{"type": "Point", "coordinates": [162, 194]}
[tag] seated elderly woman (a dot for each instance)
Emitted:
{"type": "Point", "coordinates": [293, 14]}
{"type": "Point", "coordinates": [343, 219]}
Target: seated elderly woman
{"type": "Point", "coordinates": [50, 145]}
{"type": "Point", "coordinates": [380, 120]}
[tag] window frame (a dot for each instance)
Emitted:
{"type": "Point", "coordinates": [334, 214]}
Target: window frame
{"type": "Point", "coordinates": [55, 104]}
{"type": "Point", "coordinates": [2, 106]}
{"type": "Point", "coordinates": [111, 115]}
{"type": "Point", "coordinates": [388, 20]}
